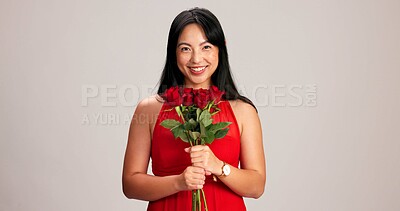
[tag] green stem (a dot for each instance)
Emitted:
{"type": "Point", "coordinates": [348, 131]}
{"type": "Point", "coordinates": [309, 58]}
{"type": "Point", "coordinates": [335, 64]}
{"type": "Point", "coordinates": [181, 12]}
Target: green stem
{"type": "Point", "coordinates": [198, 199]}
{"type": "Point", "coordinates": [191, 141]}
{"type": "Point", "coordinates": [194, 200]}
{"type": "Point", "coordinates": [204, 199]}
{"type": "Point", "coordinates": [178, 110]}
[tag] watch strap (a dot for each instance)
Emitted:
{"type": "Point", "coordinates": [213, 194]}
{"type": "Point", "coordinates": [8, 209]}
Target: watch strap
{"type": "Point", "coordinates": [222, 174]}
{"type": "Point", "coordinates": [222, 169]}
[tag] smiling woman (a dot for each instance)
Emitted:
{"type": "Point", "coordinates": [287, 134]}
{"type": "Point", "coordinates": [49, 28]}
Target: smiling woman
{"type": "Point", "coordinates": [197, 59]}
{"type": "Point", "coordinates": [196, 68]}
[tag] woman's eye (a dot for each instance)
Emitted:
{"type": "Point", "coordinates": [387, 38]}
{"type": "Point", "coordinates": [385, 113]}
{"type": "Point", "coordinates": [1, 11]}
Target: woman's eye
{"type": "Point", "coordinates": [184, 49]}
{"type": "Point", "coordinates": [207, 47]}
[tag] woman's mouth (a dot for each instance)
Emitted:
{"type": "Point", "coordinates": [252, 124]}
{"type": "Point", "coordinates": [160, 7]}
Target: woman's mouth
{"type": "Point", "coordinates": [197, 70]}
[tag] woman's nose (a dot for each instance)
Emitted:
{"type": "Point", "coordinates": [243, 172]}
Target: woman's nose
{"type": "Point", "coordinates": [196, 57]}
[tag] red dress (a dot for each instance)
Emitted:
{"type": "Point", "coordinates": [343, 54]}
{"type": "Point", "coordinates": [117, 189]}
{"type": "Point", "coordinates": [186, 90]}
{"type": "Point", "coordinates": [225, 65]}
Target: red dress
{"type": "Point", "coordinates": [169, 158]}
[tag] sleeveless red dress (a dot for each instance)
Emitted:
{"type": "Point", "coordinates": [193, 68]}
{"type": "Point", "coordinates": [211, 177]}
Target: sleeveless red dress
{"type": "Point", "coordinates": [169, 158]}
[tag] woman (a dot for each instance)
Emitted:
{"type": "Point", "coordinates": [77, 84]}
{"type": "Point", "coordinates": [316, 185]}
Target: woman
{"type": "Point", "coordinates": [196, 58]}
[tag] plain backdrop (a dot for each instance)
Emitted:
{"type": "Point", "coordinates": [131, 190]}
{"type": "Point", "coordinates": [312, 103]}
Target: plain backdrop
{"type": "Point", "coordinates": [72, 72]}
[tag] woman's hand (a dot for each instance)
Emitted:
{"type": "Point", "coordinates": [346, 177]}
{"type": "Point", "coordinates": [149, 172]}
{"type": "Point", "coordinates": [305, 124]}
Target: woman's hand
{"type": "Point", "coordinates": [203, 157]}
{"type": "Point", "coordinates": [192, 178]}
{"type": "Point", "coordinates": [204, 163]}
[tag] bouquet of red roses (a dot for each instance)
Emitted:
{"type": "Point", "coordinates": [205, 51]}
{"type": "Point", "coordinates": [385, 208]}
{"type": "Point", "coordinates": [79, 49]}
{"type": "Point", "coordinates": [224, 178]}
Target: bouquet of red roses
{"type": "Point", "coordinates": [195, 107]}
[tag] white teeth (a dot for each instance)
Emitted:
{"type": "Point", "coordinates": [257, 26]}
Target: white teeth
{"type": "Point", "coordinates": [197, 69]}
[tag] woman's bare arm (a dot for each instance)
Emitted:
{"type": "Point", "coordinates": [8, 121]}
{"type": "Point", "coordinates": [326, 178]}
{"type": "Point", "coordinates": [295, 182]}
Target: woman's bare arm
{"type": "Point", "coordinates": [136, 182]}
{"type": "Point", "coordinates": [250, 179]}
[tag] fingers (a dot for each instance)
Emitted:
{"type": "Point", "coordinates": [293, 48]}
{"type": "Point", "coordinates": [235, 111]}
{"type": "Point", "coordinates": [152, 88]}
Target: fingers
{"type": "Point", "coordinates": [197, 148]}
{"type": "Point", "coordinates": [198, 151]}
{"type": "Point", "coordinates": [203, 157]}
{"type": "Point", "coordinates": [194, 178]}
{"type": "Point", "coordinates": [201, 162]}
{"type": "Point", "coordinates": [198, 155]}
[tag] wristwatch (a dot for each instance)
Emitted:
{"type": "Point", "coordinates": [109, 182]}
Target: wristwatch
{"type": "Point", "coordinates": [226, 170]}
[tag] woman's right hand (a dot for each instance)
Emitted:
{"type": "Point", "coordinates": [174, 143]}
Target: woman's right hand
{"type": "Point", "coordinates": [192, 178]}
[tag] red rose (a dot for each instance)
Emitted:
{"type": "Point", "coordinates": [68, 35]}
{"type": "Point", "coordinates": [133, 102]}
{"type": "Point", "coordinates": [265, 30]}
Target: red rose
{"type": "Point", "coordinates": [201, 97]}
{"type": "Point", "coordinates": [173, 97]}
{"type": "Point", "coordinates": [216, 94]}
{"type": "Point", "coordinates": [187, 96]}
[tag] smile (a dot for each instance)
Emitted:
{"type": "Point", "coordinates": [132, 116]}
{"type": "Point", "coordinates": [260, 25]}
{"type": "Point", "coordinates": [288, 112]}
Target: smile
{"type": "Point", "coordinates": [197, 70]}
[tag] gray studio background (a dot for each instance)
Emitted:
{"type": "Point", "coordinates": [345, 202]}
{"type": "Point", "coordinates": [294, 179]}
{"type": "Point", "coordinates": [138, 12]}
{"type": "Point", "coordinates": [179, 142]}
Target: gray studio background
{"type": "Point", "coordinates": [324, 75]}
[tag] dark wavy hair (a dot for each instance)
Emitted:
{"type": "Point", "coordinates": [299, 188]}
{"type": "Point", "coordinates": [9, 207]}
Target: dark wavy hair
{"type": "Point", "coordinates": [222, 77]}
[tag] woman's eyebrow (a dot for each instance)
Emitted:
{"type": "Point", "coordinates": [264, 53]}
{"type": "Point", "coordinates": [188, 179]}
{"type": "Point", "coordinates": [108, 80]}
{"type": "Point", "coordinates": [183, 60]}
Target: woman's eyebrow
{"type": "Point", "coordinates": [185, 43]}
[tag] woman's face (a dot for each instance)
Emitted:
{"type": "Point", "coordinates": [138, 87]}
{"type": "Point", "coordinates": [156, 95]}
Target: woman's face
{"type": "Point", "coordinates": [197, 59]}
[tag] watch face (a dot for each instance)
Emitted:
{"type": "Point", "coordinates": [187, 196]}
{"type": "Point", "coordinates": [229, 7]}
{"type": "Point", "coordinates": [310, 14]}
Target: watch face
{"type": "Point", "coordinates": [227, 170]}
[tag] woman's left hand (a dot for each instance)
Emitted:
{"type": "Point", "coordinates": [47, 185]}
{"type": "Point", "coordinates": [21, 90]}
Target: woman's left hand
{"type": "Point", "coordinates": [202, 156]}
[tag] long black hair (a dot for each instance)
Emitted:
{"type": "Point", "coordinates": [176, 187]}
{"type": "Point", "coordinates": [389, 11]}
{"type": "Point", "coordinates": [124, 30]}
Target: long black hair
{"type": "Point", "coordinates": [222, 77]}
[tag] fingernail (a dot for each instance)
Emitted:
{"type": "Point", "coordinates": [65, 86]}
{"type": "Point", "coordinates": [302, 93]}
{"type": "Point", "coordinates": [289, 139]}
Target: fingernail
{"type": "Point", "coordinates": [187, 149]}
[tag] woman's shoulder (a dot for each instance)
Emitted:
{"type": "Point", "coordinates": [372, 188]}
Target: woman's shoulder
{"type": "Point", "coordinates": [150, 105]}
{"type": "Point", "coordinates": [242, 107]}
{"type": "Point", "coordinates": [244, 112]}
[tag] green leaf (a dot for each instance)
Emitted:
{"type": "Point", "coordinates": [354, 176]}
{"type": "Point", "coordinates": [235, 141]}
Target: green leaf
{"type": "Point", "coordinates": [190, 125]}
{"type": "Point", "coordinates": [178, 111]}
{"type": "Point", "coordinates": [206, 121]}
{"type": "Point", "coordinates": [209, 138]}
{"type": "Point", "coordinates": [177, 131]}
{"type": "Point", "coordinates": [205, 118]}
{"type": "Point", "coordinates": [221, 133]}
{"type": "Point", "coordinates": [202, 130]}
{"type": "Point", "coordinates": [187, 126]}
{"type": "Point", "coordinates": [184, 137]}
{"type": "Point", "coordinates": [198, 112]}
{"type": "Point", "coordinates": [193, 123]}
{"type": "Point", "coordinates": [170, 123]}
{"type": "Point", "coordinates": [204, 114]}
{"type": "Point", "coordinates": [194, 135]}
{"type": "Point", "coordinates": [219, 126]}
